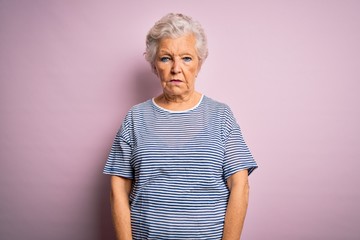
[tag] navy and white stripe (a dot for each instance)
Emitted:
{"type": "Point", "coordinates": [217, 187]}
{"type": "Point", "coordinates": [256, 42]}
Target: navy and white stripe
{"type": "Point", "coordinates": [179, 161]}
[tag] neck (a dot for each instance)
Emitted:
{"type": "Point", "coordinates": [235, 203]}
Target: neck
{"type": "Point", "coordinates": [178, 103]}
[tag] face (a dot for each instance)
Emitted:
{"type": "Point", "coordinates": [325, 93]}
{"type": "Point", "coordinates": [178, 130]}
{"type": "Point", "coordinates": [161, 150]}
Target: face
{"type": "Point", "coordinates": [177, 65]}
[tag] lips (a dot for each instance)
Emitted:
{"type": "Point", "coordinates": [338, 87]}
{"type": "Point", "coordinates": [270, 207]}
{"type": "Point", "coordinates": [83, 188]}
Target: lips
{"type": "Point", "coordinates": [175, 80]}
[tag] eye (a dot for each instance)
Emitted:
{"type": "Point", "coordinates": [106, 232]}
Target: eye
{"type": "Point", "coordinates": [187, 59]}
{"type": "Point", "coordinates": [164, 59]}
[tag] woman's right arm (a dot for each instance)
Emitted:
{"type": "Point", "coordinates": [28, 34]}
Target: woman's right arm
{"type": "Point", "coordinates": [120, 207]}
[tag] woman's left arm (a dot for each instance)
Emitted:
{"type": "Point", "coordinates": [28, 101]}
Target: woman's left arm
{"type": "Point", "coordinates": [237, 205]}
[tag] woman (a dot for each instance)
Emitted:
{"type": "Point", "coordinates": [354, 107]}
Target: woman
{"type": "Point", "coordinates": [179, 164]}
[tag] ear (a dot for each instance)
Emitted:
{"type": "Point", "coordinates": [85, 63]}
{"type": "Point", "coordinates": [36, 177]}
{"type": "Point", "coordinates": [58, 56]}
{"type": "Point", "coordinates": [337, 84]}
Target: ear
{"type": "Point", "coordinates": [199, 68]}
{"type": "Point", "coordinates": [155, 70]}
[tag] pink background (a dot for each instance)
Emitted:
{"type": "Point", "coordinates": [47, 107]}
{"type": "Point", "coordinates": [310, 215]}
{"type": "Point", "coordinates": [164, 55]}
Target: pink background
{"type": "Point", "coordinates": [70, 70]}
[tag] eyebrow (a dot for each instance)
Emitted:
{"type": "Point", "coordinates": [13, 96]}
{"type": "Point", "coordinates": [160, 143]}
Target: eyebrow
{"type": "Point", "coordinates": [162, 51]}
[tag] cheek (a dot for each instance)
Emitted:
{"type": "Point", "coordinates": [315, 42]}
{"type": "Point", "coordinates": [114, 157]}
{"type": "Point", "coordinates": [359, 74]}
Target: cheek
{"type": "Point", "coordinates": [162, 74]}
{"type": "Point", "coordinates": [161, 67]}
{"type": "Point", "coordinates": [159, 71]}
{"type": "Point", "coordinates": [193, 70]}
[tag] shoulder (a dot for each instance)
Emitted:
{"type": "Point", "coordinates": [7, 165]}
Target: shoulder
{"type": "Point", "coordinates": [222, 111]}
{"type": "Point", "coordinates": [140, 107]}
{"type": "Point", "coordinates": [135, 112]}
{"type": "Point", "coordinates": [217, 106]}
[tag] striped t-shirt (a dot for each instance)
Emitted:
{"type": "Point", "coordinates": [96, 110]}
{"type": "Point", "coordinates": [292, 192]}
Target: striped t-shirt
{"type": "Point", "coordinates": [179, 162]}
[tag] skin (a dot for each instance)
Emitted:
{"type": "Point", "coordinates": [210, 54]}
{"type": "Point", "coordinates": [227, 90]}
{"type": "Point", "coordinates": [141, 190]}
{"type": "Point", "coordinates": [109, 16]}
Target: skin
{"type": "Point", "coordinates": [177, 65]}
{"type": "Point", "coordinates": [237, 205]}
{"type": "Point", "coordinates": [120, 207]}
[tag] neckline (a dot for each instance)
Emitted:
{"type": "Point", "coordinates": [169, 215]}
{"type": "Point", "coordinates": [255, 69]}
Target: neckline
{"type": "Point", "coordinates": [180, 111]}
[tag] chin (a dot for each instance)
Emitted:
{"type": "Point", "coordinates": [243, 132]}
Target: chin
{"type": "Point", "coordinates": [174, 91]}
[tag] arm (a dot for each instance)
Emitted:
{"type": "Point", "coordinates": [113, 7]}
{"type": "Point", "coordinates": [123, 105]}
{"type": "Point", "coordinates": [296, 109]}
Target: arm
{"type": "Point", "coordinates": [120, 207]}
{"type": "Point", "coordinates": [237, 205]}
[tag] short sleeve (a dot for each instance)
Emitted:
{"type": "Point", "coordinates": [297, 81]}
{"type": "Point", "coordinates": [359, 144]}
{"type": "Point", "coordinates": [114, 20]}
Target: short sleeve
{"type": "Point", "coordinates": [237, 154]}
{"type": "Point", "coordinates": [118, 162]}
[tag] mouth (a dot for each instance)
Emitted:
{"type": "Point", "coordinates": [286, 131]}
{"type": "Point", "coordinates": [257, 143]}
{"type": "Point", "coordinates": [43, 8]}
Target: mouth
{"type": "Point", "coordinates": [175, 81]}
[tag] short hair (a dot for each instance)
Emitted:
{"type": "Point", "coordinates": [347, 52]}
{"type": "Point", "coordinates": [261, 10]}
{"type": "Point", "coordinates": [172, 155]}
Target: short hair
{"type": "Point", "coordinates": [175, 25]}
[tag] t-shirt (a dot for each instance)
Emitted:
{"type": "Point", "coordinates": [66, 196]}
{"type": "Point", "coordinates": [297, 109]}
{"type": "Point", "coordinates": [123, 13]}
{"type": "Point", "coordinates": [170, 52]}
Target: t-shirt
{"type": "Point", "coordinates": [179, 162]}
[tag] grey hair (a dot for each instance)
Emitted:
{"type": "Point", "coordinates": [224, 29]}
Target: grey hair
{"type": "Point", "coordinates": [175, 25]}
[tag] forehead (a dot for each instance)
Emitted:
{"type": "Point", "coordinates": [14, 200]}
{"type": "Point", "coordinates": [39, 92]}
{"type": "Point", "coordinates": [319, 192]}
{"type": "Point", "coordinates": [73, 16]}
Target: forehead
{"type": "Point", "coordinates": [181, 44]}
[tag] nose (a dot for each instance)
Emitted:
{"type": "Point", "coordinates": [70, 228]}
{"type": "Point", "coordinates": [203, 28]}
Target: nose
{"type": "Point", "coordinates": [175, 67]}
